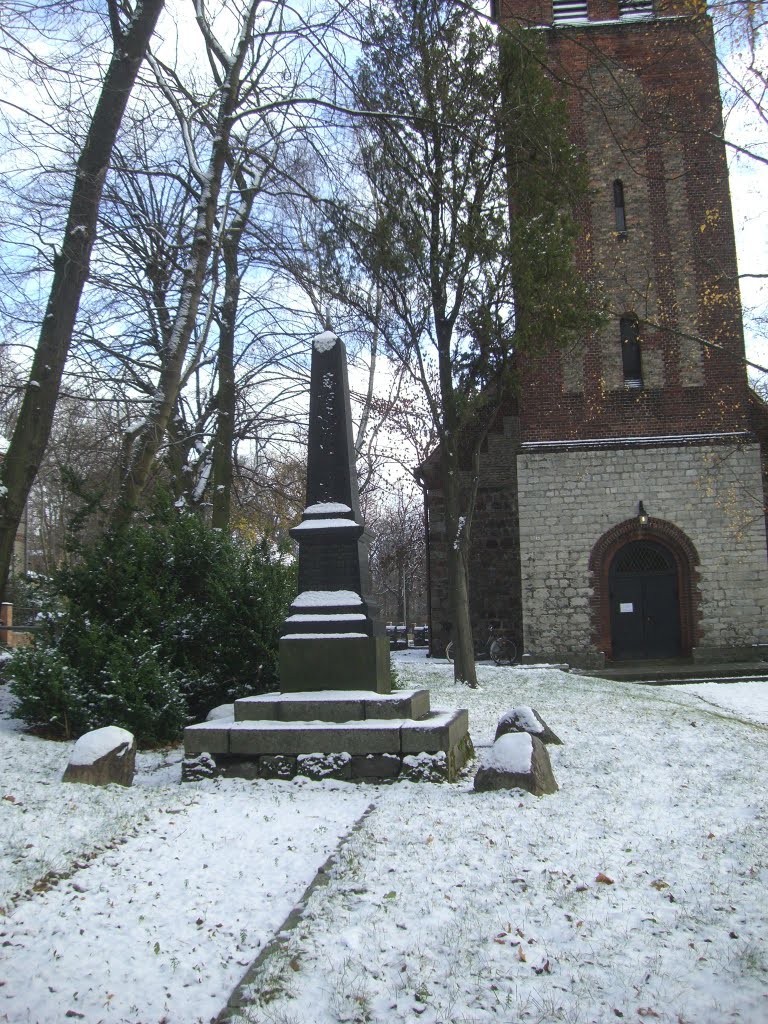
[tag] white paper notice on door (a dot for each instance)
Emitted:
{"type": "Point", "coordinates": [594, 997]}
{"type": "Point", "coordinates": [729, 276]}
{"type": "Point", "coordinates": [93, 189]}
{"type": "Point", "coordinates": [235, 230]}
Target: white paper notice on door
{"type": "Point", "coordinates": [626, 606]}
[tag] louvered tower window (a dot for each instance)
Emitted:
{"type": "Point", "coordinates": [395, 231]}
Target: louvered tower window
{"type": "Point", "coordinates": [565, 12]}
{"type": "Point", "coordinates": [630, 352]}
{"type": "Point", "coordinates": [635, 9]}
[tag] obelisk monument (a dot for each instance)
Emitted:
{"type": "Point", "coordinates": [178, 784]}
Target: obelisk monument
{"type": "Point", "coordinates": [332, 638]}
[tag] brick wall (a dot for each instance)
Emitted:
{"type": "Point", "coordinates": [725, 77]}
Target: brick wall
{"type": "Point", "coordinates": [644, 107]}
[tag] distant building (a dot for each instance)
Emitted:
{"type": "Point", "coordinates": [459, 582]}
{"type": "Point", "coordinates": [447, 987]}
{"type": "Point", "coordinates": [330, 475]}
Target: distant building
{"type": "Point", "coordinates": [621, 509]}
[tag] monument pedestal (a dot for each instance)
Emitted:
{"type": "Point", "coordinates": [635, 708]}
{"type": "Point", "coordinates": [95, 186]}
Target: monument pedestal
{"type": "Point", "coordinates": [331, 641]}
{"type": "Point", "coordinates": [336, 716]}
{"type": "Point", "coordinates": [359, 734]}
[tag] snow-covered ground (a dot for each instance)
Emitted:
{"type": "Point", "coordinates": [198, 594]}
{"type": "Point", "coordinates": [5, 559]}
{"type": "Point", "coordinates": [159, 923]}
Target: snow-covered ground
{"type": "Point", "coordinates": [637, 892]}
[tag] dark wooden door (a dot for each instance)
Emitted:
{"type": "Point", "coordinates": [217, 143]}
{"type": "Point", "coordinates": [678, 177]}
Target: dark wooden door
{"type": "Point", "coordinates": [645, 608]}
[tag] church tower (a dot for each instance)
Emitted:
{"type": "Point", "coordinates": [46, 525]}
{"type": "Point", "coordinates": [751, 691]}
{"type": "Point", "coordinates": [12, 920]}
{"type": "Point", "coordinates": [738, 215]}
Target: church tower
{"type": "Point", "coordinates": [640, 492]}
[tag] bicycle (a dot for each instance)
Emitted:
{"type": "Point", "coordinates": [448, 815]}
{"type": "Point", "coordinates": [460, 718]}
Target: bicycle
{"type": "Point", "coordinates": [500, 649]}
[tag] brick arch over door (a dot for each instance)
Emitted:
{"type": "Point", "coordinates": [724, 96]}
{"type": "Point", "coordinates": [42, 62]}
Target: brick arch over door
{"type": "Point", "coordinates": [686, 561]}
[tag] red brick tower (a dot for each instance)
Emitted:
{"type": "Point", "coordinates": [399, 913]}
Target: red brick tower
{"type": "Point", "coordinates": [639, 483]}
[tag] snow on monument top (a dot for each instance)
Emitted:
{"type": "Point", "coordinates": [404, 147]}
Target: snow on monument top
{"type": "Point", "coordinates": [324, 342]}
{"type": "Point", "coordinates": [326, 598]}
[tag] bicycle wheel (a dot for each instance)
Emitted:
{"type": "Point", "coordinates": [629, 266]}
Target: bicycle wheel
{"type": "Point", "coordinates": [449, 651]}
{"type": "Point", "coordinates": [503, 651]}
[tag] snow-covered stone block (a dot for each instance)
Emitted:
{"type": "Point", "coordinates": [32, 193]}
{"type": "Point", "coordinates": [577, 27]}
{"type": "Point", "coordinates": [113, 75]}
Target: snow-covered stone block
{"type": "Point", "coordinates": [525, 719]}
{"type": "Point", "coordinates": [517, 760]}
{"type": "Point", "coordinates": [332, 706]}
{"type": "Point", "coordinates": [441, 730]}
{"type": "Point", "coordinates": [207, 737]}
{"type": "Point", "coordinates": [368, 737]}
{"type": "Point", "coordinates": [376, 766]}
{"type": "Point", "coordinates": [223, 712]}
{"type": "Point", "coordinates": [277, 766]}
{"type": "Point", "coordinates": [103, 756]}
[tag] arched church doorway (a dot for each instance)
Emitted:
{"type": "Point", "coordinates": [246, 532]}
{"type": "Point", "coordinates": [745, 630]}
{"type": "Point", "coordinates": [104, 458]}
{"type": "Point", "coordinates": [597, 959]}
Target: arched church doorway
{"type": "Point", "coordinates": [644, 602]}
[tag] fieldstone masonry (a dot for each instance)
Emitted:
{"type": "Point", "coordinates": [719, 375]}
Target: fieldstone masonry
{"type": "Point", "coordinates": [494, 577]}
{"type": "Point", "coordinates": [569, 499]}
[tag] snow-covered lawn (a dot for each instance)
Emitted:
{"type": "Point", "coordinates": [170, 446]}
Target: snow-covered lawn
{"type": "Point", "coordinates": [638, 892]}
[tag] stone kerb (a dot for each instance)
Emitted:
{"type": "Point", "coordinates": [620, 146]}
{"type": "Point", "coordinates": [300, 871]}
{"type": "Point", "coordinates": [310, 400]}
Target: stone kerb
{"type": "Point", "coordinates": [331, 706]}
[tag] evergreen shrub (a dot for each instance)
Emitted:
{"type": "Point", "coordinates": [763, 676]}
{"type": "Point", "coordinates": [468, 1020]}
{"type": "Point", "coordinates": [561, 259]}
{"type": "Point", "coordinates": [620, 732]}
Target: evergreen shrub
{"type": "Point", "coordinates": [161, 621]}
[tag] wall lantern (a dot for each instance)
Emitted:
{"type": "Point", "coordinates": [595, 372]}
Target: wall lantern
{"type": "Point", "coordinates": [642, 515]}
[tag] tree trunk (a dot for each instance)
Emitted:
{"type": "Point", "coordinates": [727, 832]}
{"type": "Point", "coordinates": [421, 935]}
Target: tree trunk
{"type": "Point", "coordinates": [224, 438]}
{"type": "Point", "coordinates": [457, 545]}
{"type": "Point", "coordinates": [70, 272]}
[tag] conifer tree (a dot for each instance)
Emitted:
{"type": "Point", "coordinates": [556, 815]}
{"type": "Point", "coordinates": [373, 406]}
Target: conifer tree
{"type": "Point", "coordinates": [468, 230]}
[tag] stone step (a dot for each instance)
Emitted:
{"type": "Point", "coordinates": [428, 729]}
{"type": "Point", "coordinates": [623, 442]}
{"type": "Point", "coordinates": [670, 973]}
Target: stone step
{"type": "Point", "coordinates": [438, 731]}
{"type": "Point", "coordinates": [669, 673]}
{"type": "Point", "coordinates": [330, 706]}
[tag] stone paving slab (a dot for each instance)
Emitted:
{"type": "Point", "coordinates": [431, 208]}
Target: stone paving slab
{"type": "Point", "coordinates": [333, 706]}
{"type": "Point", "coordinates": [441, 730]}
{"type": "Point", "coordinates": [371, 737]}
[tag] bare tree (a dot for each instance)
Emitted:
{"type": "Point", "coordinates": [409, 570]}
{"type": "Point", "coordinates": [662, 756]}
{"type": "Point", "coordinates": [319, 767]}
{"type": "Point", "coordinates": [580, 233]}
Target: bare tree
{"type": "Point", "coordinates": [131, 30]}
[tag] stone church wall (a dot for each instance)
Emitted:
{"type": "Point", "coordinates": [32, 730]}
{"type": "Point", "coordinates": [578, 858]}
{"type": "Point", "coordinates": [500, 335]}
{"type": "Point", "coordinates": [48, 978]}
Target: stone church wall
{"type": "Point", "coordinates": [569, 499]}
{"type": "Point", "coordinates": [494, 577]}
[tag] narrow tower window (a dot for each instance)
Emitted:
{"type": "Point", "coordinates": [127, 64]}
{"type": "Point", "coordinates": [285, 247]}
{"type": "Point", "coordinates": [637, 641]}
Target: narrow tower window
{"type": "Point", "coordinates": [630, 351]}
{"type": "Point", "coordinates": [635, 9]}
{"type": "Point", "coordinates": [568, 11]}
{"type": "Point", "coordinates": [619, 211]}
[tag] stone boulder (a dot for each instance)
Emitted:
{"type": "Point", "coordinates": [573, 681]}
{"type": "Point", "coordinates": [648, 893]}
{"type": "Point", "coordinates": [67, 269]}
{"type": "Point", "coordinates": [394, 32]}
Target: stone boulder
{"type": "Point", "coordinates": [525, 719]}
{"type": "Point", "coordinates": [103, 756]}
{"type": "Point", "coordinates": [221, 713]}
{"type": "Point", "coordinates": [516, 760]}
